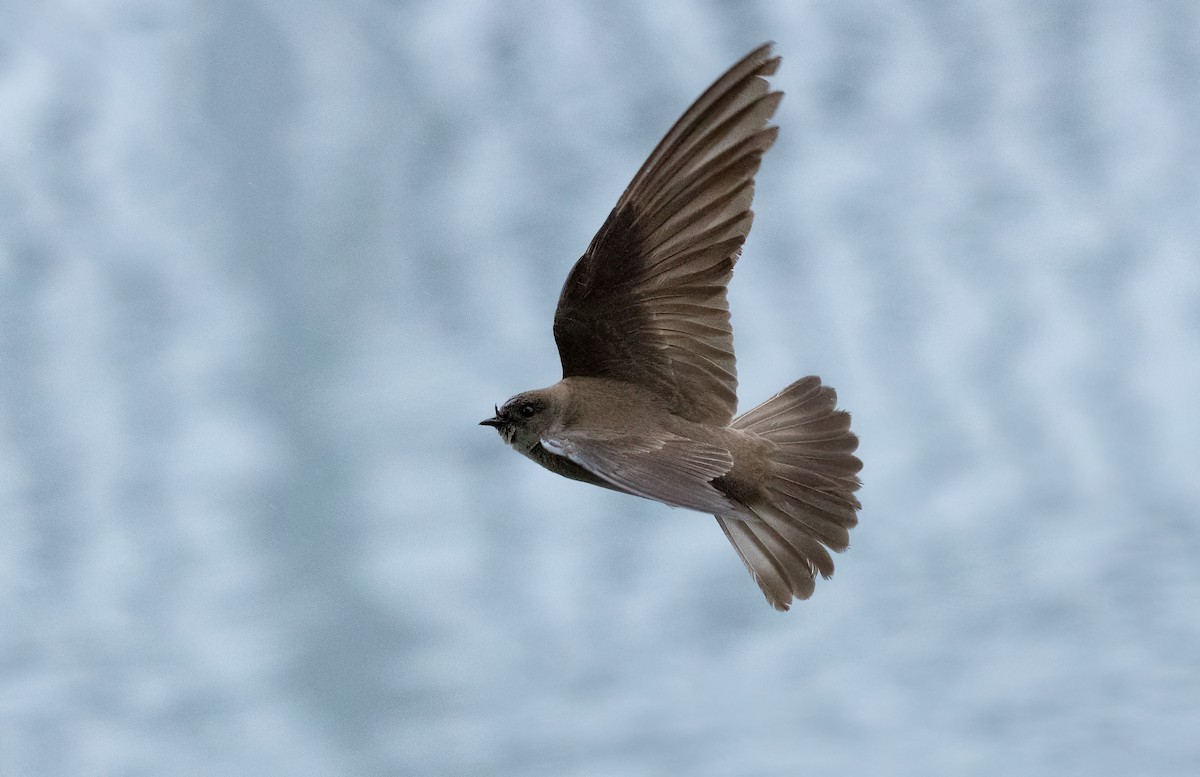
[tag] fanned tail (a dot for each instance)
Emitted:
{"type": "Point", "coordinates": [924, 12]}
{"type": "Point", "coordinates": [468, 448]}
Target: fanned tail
{"type": "Point", "coordinates": [807, 506]}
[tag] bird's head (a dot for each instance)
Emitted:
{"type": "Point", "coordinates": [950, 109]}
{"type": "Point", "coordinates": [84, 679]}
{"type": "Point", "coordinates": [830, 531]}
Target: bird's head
{"type": "Point", "coordinates": [523, 418]}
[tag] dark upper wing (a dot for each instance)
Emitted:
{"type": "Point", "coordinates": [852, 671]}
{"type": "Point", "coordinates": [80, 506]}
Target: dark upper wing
{"type": "Point", "coordinates": [663, 467]}
{"type": "Point", "coordinates": [646, 302]}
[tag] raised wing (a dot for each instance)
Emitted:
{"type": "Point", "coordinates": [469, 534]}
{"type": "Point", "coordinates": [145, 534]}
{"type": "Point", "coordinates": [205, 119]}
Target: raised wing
{"type": "Point", "coordinates": [646, 303]}
{"type": "Point", "coordinates": [663, 467]}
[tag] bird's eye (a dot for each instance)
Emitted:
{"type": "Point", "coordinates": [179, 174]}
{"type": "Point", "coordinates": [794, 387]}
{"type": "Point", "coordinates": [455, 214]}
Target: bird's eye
{"type": "Point", "coordinates": [527, 410]}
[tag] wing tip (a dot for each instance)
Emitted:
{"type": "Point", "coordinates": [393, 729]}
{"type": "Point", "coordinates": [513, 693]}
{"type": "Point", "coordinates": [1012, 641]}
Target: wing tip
{"type": "Point", "coordinates": [766, 59]}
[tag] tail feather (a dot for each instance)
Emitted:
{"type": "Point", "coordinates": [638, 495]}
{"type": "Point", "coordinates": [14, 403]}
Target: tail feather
{"type": "Point", "coordinates": [807, 505]}
{"type": "Point", "coordinates": [816, 557]}
{"type": "Point", "coordinates": [775, 567]}
{"type": "Point", "coordinates": [817, 524]}
{"type": "Point", "coordinates": [838, 490]}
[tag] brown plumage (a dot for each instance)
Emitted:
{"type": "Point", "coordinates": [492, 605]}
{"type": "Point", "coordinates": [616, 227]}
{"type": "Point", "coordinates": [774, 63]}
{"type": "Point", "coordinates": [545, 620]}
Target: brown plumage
{"type": "Point", "coordinates": [649, 390]}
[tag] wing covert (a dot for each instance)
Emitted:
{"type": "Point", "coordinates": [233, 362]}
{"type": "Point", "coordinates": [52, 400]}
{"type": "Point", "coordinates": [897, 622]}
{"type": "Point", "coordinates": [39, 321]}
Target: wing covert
{"type": "Point", "coordinates": [663, 467]}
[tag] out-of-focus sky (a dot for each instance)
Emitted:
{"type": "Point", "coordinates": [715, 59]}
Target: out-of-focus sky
{"type": "Point", "coordinates": [264, 266]}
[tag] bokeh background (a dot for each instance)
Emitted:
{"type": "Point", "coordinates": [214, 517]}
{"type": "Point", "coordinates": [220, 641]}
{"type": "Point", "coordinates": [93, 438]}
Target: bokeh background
{"type": "Point", "coordinates": [264, 266]}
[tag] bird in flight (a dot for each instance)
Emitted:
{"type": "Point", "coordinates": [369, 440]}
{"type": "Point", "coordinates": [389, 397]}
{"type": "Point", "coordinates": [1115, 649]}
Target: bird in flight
{"type": "Point", "coordinates": [649, 390]}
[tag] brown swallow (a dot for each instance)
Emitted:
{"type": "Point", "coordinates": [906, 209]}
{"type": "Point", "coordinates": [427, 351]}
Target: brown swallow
{"type": "Point", "coordinates": [649, 389]}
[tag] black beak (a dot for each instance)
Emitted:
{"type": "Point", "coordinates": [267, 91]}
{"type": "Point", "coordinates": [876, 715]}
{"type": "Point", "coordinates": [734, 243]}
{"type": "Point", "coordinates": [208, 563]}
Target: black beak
{"type": "Point", "coordinates": [496, 422]}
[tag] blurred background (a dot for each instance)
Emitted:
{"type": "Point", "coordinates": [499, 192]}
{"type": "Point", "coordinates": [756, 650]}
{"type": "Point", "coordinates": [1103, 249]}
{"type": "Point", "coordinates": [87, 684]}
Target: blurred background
{"type": "Point", "coordinates": [264, 266]}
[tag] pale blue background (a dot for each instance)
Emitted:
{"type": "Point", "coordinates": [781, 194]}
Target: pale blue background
{"type": "Point", "coordinates": [263, 266]}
